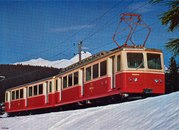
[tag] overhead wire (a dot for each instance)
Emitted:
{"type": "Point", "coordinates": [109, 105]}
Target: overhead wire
{"type": "Point", "coordinates": [107, 11]}
{"type": "Point", "coordinates": [103, 45]}
{"type": "Point", "coordinates": [86, 38]}
{"type": "Point", "coordinates": [62, 53]}
{"type": "Point", "coordinates": [108, 23]}
{"type": "Point", "coordinates": [74, 34]}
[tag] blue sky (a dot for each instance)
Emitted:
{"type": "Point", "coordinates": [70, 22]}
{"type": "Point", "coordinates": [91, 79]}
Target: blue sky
{"type": "Point", "coordinates": [49, 29]}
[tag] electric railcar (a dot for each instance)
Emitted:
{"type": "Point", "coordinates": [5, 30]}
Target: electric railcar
{"type": "Point", "coordinates": [120, 72]}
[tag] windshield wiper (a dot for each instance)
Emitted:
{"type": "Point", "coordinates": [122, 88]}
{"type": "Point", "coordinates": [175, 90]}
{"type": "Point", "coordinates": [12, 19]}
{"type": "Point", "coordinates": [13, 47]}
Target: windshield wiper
{"type": "Point", "coordinates": [140, 65]}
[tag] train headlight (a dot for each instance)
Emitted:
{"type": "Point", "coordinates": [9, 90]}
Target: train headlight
{"type": "Point", "coordinates": [156, 80]}
{"type": "Point", "coordinates": [130, 79]}
{"type": "Point", "coordinates": [135, 79]}
{"type": "Point", "coordinates": [160, 80]}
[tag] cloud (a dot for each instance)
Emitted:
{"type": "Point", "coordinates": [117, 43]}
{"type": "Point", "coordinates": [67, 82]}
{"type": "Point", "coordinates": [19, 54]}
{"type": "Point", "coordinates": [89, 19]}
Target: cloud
{"type": "Point", "coordinates": [70, 28]}
{"type": "Point", "coordinates": [140, 7]}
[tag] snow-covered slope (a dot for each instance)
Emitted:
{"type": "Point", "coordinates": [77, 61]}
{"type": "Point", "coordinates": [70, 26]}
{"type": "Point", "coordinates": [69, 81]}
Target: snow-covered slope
{"type": "Point", "coordinates": [157, 113]}
{"type": "Point", "coordinates": [56, 64]}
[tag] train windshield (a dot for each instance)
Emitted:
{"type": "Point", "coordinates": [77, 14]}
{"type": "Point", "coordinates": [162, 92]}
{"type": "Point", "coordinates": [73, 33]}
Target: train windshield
{"type": "Point", "coordinates": [135, 60]}
{"type": "Point", "coordinates": [153, 61]}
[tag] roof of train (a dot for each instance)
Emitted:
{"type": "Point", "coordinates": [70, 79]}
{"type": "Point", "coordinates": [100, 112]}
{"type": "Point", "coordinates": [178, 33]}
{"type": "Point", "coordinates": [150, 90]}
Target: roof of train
{"type": "Point", "coordinates": [101, 55]}
{"type": "Point", "coordinates": [88, 60]}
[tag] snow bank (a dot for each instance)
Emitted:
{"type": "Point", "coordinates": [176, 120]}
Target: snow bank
{"type": "Point", "coordinates": [56, 64]}
{"type": "Point", "coordinates": [157, 113]}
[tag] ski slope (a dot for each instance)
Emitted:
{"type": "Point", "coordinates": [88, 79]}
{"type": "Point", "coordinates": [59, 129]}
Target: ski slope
{"type": "Point", "coordinates": [155, 113]}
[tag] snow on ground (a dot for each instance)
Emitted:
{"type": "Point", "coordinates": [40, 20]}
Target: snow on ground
{"type": "Point", "coordinates": [155, 113]}
{"type": "Point", "coordinates": [56, 64]}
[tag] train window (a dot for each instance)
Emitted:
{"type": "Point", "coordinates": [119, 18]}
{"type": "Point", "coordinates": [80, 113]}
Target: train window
{"type": "Point", "coordinates": [65, 82]}
{"type": "Point", "coordinates": [118, 63]}
{"type": "Point", "coordinates": [88, 73]}
{"type": "Point", "coordinates": [154, 61]}
{"type": "Point", "coordinates": [135, 60]}
{"type": "Point", "coordinates": [21, 93]}
{"type": "Point", "coordinates": [69, 80]}
{"type": "Point", "coordinates": [95, 71]}
{"type": "Point", "coordinates": [35, 90]}
{"type": "Point", "coordinates": [50, 86]}
{"type": "Point", "coordinates": [17, 94]}
{"type": "Point", "coordinates": [30, 91]}
{"type": "Point", "coordinates": [13, 95]}
{"type": "Point", "coordinates": [56, 84]}
{"type": "Point", "coordinates": [103, 68]}
{"type": "Point", "coordinates": [40, 88]}
{"type": "Point", "coordinates": [75, 78]}
{"type": "Point", "coordinates": [6, 97]}
{"type": "Point", "coordinates": [47, 86]}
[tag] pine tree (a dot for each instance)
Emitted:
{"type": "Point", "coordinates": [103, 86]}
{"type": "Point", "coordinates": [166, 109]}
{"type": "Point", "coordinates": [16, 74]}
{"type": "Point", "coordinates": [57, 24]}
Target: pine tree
{"type": "Point", "coordinates": [173, 74]}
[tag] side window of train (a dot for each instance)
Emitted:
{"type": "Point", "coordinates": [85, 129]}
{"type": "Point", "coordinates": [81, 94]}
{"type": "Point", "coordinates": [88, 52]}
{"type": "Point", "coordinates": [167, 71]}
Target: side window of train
{"type": "Point", "coordinates": [56, 84]}
{"type": "Point", "coordinates": [76, 78]}
{"type": "Point", "coordinates": [47, 89]}
{"type": "Point", "coordinates": [50, 86]}
{"type": "Point", "coordinates": [40, 88]}
{"type": "Point", "coordinates": [13, 95]}
{"type": "Point", "coordinates": [118, 62]}
{"type": "Point", "coordinates": [21, 93]}
{"type": "Point", "coordinates": [30, 91]}
{"type": "Point", "coordinates": [17, 94]}
{"type": "Point", "coordinates": [35, 90]}
{"type": "Point", "coordinates": [95, 71]}
{"type": "Point", "coordinates": [6, 97]}
{"type": "Point", "coordinates": [88, 73]}
{"type": "Point", "coordinates": [65, 82]}
{"type": "Point", "coordinates": [103, 68]}
{"type": "Point", "coordinates": [70, 80]}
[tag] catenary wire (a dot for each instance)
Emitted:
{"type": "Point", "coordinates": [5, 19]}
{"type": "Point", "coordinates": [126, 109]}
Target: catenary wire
{"type": "Point", "coordinates": [86, 38]}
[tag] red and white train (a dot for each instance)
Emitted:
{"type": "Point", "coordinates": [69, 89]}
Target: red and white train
{"type": "Point", "coordinates": [124, 71]}
{"type": "Point", "coordinates": [119, 72]}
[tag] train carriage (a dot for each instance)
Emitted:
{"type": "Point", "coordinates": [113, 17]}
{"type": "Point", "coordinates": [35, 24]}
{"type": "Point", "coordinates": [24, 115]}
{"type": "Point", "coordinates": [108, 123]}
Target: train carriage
{"type": "Point", "coordinates": [123, 72]}
{"type": "Point", "coordinates": [30, 96]}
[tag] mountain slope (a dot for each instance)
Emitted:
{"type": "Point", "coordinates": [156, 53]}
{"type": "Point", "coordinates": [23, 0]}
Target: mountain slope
{"type": "Point", "coordinates": [56, 64]}
{"type": "Point", "coordinates": [159, 113]}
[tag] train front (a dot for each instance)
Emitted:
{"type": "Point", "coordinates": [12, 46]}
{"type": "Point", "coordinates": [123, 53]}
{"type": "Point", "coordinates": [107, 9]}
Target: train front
{"type": "Point", "coordinates": [142, 72]}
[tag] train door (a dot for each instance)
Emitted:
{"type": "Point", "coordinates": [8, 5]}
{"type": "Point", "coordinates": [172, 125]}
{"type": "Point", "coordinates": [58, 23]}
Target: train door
{"type": "Point", "coordinates": [113, 72]}
{"type": "Point", "coordinates": [60, 87]}
{"type": "Point", "coordinates": [26, 96]}
{"type": "Point", "coordinates": [81, 80]}
{"type": "Point", "coordinates": [8, 99]}
{"type": "Point", "coordinates": [118, 76]}
{"type": "Point", "coordinates": [46, 93]}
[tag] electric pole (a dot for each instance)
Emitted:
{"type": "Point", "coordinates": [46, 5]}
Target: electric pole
{"type": "Point", "coordinates": [80, 49]}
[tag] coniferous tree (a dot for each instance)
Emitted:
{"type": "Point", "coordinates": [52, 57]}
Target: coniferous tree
{"type": "Point", "coordinates": [170, 18]}
{"type": "Point", "coordinates": [173, 75]}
